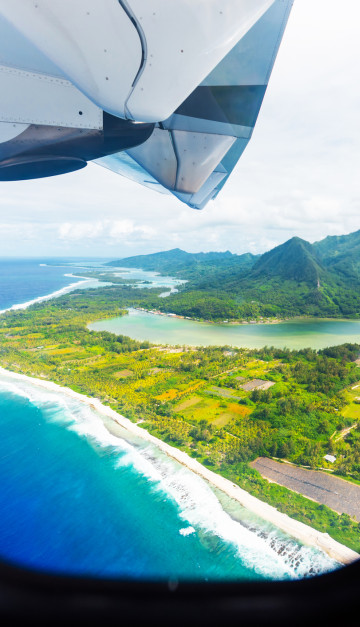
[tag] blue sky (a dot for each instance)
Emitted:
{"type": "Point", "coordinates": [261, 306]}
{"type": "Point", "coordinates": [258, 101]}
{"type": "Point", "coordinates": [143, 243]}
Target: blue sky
{"type": "Point", "coordinates": [298, 176]}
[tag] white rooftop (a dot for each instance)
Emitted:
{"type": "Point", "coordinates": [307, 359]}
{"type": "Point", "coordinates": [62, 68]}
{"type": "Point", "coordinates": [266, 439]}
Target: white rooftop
{"type": "Point", "coordinates": [330, 458]}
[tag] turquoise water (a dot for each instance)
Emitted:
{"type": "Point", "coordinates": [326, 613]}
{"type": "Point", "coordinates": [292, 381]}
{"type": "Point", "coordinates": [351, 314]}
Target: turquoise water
{"type": "Point", "coordinates": [77, 499]}
{"type": "Point", "coordinates": [147, 279]}
{"type": "Point", "coordinates": [293, 334]}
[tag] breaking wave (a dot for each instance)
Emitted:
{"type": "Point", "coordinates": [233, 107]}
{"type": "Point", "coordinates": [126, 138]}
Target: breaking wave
{"type": "Point", "coordinates": [258, 544]}
{"type": "Point", "coordinates": [61, 292]}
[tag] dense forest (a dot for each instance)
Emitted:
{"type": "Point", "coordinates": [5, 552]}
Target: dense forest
{"type": "Point", "coordinates": [294, 279]}
{"type": "Point", "coordinates": [223, 406]}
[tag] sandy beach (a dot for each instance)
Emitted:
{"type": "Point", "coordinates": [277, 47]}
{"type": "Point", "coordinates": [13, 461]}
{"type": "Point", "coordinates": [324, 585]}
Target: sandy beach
{"type": "Point", "coordinates": [56, 294]}
{"type": "Point", "coordinates": [305, 534]}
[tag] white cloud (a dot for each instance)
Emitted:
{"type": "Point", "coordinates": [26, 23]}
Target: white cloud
{"type": "Point", "coordinates": [298, 176]}
{"type": "Point", "coordinates": [80, 230]}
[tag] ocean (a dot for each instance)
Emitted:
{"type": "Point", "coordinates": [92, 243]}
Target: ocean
{"type": "Point", "coordinates": [23, 281]}
{"type": "Point", "coordinates": [77, 499]}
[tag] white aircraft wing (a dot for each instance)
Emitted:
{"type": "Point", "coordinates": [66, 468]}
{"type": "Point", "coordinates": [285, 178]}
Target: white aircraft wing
{"type": "Point", "coordinates": [166, 93]}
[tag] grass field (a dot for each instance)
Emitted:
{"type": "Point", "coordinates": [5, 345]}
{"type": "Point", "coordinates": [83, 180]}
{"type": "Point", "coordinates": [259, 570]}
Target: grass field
{"type": "Point", "coordinates": [256, 369]}
{"type": "Point", "coordinates": [352, 409]}
{"type": "Point", "coordinates": [122, 374]}
{"type": "Point", "coordinates": [64, 351]}
{"type": "Point", "coordinates": [217, 412]}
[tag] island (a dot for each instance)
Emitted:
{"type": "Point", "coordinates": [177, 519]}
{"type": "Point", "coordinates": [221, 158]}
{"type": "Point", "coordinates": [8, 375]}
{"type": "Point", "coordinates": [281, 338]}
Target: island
{"type": "Point", "coordinates": [224, 408]}
{"type": "Point", "coordinates": [291, 280]}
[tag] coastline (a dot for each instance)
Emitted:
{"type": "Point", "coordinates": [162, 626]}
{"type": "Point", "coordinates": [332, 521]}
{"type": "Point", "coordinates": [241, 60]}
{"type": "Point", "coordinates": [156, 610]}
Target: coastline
{"type": "Point", "coordinates": [239, 323]}
{"type": "Point", "coordinates": [157, 312]}
{"type": "Point", "coordinates": [40, 299]}
{"type": "Point", "coordinates": [305, 534]}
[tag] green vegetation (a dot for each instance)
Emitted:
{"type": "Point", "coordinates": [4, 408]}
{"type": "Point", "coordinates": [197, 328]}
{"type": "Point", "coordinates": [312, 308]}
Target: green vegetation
{"type": "Point", "coordinates": [199, 399]}
{"type": "Point", "coordinates": [341, 528]}
{"type": "Point", "coordinates": [294, 279]}
{"type": "Point", "coordinates": [189, 265]}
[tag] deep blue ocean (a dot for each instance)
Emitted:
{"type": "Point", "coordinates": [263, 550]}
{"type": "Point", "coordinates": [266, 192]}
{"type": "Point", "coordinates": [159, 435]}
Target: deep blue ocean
{"type": "Point", "coordinates": [76, 498]}
{"type": "Point", "coordinates": [23, 280]}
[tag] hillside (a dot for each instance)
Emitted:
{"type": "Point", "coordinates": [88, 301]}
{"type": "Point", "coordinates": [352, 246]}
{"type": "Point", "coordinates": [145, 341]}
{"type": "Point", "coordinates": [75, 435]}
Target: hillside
{"type": "Point", "coordinates": [294, 260]}
{"type": "Point", "coordinates": [341, 253]}
{"type": "Point", "coordinates": [190, 266]}
{"type": "Point", "coordinates": [166, 261]}
{"type": "Point", "coordinates": [294, 278]}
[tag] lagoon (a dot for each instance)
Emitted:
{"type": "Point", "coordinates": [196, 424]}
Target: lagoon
{"type": "Point", "coordinates": [293, 334]}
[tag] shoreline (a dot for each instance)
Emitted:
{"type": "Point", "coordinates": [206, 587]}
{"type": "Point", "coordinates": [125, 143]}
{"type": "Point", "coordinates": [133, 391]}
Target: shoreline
{"type": "Point", "coordinates": [239, 323]}
{"type": "Point", "coordinates": [157, 312]}
{"type": "Point", "coordinates": [267, 320]}
{"type": "Point", "coordinates": [56, 294]}
{"type": "Point", "coordinates": [300, 531]}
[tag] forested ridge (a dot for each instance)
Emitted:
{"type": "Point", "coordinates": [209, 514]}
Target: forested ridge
{"type": "Point", "coordinates": [294, 279]}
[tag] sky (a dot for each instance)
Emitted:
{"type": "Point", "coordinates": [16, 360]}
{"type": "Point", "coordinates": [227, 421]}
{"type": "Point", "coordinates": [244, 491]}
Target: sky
{"type": "Point", "coordinates": [299, 175]}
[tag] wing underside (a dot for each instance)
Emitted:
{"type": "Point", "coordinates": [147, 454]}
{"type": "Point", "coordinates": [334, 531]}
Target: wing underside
{"type": "Point", "coordinates": [166, 94]}
{"type": "Point", "coordinates": [192, 153]}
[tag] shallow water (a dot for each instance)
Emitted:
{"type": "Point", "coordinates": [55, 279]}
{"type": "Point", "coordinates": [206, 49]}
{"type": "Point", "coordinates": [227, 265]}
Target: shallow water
{"type": "Point", "coordinates": [75, 498]}
{"type": "Point", "coordinates": [293, 334]}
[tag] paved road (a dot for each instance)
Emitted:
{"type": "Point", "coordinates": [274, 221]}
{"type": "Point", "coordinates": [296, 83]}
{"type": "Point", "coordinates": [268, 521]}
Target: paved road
{"type": "Point", "coordinates": [340, 495]}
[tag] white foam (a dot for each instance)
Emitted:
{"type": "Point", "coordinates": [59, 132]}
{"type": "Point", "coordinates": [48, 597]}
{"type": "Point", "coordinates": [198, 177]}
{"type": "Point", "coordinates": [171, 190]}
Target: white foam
{"type": "Point", "coordinates": [260, 546]}
{"type": "Point", "coordinates": [200, 508]}
{"type": "Point", "coordinates": [270, 554]}
{"type": "Point", "coordinates": [187, 531]}
{"type": "Point", "coordinates": [56, 294]}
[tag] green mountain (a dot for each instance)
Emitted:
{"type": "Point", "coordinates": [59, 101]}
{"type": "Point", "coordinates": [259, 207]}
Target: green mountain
{"type": "Point", "coordinates": [166, 261]}
{"type": "Point", "coordinates": [189, 266]}
{"type": "Point", "coordinates": [341, 253]}
{"type": "Point", "coordinates": [295, 278]}
{"type": "Point", "coordinates": [295, 260]}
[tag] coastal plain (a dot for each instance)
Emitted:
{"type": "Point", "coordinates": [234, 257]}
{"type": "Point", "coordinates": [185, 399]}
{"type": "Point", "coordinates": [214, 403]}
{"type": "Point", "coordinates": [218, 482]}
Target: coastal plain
{"type": "Point", "coordinates": [220, 406]}
{"type": "Point", "coordinates": [298, 530]}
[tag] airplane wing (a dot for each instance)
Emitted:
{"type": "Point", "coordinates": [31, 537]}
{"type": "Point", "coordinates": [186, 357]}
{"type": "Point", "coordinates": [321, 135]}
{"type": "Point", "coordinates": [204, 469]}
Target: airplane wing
{"type": "Point", "coordinates": [165, 93]}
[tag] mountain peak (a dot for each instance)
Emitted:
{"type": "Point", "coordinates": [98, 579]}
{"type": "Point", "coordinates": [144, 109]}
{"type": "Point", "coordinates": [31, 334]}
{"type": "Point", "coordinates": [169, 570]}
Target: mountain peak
{"type": "Point", "coordinates": [296, 259]}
